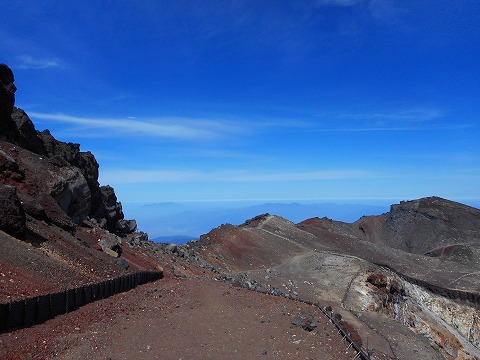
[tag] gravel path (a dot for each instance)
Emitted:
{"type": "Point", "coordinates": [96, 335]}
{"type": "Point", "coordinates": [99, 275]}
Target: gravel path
{"type": "Point", "coordinates": [180, 318]}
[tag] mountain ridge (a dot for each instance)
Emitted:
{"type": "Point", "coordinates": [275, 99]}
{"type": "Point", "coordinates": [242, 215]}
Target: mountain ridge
{"type": "Point", "coordinates": [367, 268]}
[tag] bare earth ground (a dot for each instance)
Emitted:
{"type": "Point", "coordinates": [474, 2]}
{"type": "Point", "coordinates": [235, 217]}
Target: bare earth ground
{"type": "Point", "coordinates": [180, 318]}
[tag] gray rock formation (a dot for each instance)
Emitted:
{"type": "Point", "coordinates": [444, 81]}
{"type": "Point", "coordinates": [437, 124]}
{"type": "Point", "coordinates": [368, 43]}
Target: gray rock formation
{"type": "Point", "coordinates": [70, 190]}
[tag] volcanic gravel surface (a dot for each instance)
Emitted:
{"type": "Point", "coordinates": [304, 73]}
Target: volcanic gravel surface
{"type": "Point", "coordinates": [181, 318]}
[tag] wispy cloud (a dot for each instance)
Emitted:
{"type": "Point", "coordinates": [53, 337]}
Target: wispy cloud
{"type": "Point", "coordinates": [415, 119]}
{"type": "Point", "coordinates": [178, 128]}
{"type": "Point", "coordinates": [29, 62]}
{"type": "Point", "coordinates": [122, 176]}
{"type": "Point", "coordinates": [408, 115]}
{"type": "Point", "coordinates": [395, 128]}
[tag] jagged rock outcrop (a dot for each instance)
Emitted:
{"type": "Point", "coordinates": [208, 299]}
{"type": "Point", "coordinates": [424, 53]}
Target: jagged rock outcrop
{"type": "Point", "coordinates": [46, 171]}
{"type": "Point", "coordinates": [7, 100]}
{"type": "Point", "coordinates": [109, 213]}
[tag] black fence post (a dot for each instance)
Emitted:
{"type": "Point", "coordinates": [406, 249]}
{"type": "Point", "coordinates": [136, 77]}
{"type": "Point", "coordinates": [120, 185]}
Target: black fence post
{"type": "Point", "coordinates": [16, 314]}
{"type": "Point", "coordinates": [58, 303]}
{"type": "Point", "coordinates": [79, 297]}
{"type": "Point", "coordinates": [30, 312]}
{"type": "Point", "coordinates": [3, 317]}
{"type": "Point", "coordinates": [43, 308]}
{"type": "Point", "coordinates": [71, 300]}
{"type": "Point", "coordinates": [88, 294]}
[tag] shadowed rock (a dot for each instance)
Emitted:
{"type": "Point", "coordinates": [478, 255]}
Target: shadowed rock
{"type": "Point", "coordinates": [7, 100]}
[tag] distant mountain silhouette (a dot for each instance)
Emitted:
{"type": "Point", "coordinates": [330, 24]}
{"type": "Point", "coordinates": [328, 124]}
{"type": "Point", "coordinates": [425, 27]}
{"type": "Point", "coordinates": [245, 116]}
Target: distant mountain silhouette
{"type": "Point", "coordinates": [170, 219]}
{"type": "Point", "coordinates": [174, 239]}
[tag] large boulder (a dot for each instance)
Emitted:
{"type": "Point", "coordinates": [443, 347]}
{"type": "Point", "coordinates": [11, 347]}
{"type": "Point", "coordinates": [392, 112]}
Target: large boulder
{"type": "Point", "coordinates": [12, 215]}
{"type": "Point", "coordinates": [111, 244]}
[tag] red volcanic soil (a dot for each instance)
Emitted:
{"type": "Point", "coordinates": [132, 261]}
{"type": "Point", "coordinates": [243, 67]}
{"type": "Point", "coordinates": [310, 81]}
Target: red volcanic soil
{"type": "Point", "coordinates": [61, 261]}
{"type": "Point", "coordinates": [180, 318]}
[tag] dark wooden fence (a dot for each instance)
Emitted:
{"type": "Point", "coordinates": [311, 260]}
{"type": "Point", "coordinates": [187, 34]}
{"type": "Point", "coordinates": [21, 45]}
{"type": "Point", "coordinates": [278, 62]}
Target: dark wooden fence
{"type": "Point", "coordinates": [38, 309]}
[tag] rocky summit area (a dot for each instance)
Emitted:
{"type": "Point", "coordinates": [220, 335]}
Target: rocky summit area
{"type": "Point", "coordinates": [77, 280]}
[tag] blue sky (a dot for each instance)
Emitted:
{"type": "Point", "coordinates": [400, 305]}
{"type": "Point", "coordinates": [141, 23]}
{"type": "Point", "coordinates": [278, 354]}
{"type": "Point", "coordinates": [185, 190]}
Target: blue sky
{"type": "Point", "coordinates": [257, 100]}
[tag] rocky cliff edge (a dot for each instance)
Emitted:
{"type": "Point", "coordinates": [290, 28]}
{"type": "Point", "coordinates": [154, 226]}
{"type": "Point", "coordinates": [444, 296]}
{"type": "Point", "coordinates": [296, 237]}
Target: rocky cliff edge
{"type": "Point", "coordinates": [49, 179]}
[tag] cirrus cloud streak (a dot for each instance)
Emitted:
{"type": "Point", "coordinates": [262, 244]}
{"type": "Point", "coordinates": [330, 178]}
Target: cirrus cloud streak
{"type": "Point", "coordinates": [177, 128]}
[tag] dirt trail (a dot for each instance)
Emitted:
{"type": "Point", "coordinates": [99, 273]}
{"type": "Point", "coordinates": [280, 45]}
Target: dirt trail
{"type": "Point", "coordinates": [193, 318]}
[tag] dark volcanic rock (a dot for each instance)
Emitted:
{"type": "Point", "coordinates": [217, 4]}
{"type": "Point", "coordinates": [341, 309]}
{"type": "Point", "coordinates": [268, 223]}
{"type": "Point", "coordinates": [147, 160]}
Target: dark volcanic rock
{"type": "Point", "coordinates": [113, 209]}
{"type": "Point", "coordinates": [61, 171]}
{"type": "Point", "coordinates": [125, 226]}
{"type": "Point", "coordinates": [110, 215]}
{"type": "Point", "coordinates": [7, 100]}
{"type": "Point", "coordinates": [305, 321]}
{"type": "Point", "coordinates": [122, 263]}
{"type": "Point", "coordinates": [12, 215]}
{"type": "Point", "coordinates": [9, 167]}
{"type": "Point", "coordinates": [7, 89]}
{"type": "Point", "coordinates": [26, 135]}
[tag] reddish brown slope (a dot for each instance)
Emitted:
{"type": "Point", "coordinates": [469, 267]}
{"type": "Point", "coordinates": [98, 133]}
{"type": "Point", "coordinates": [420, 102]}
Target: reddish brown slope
{"type": "Point", "coordinates": [334, 263]}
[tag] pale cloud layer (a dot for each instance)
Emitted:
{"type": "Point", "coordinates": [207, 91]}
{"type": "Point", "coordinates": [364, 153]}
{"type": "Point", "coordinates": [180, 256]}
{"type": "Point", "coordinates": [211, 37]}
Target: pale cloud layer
{"type": "Point", "coordinates": [178, 128]}
{"type": "Point", "coordinates": [405, 115]}
{"type": "Point", "coordinates": [414, 119]}
{"type": "Point", "coordinates": [190, 128]}
{"type": "Point", "coordinates": [29, 62]}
